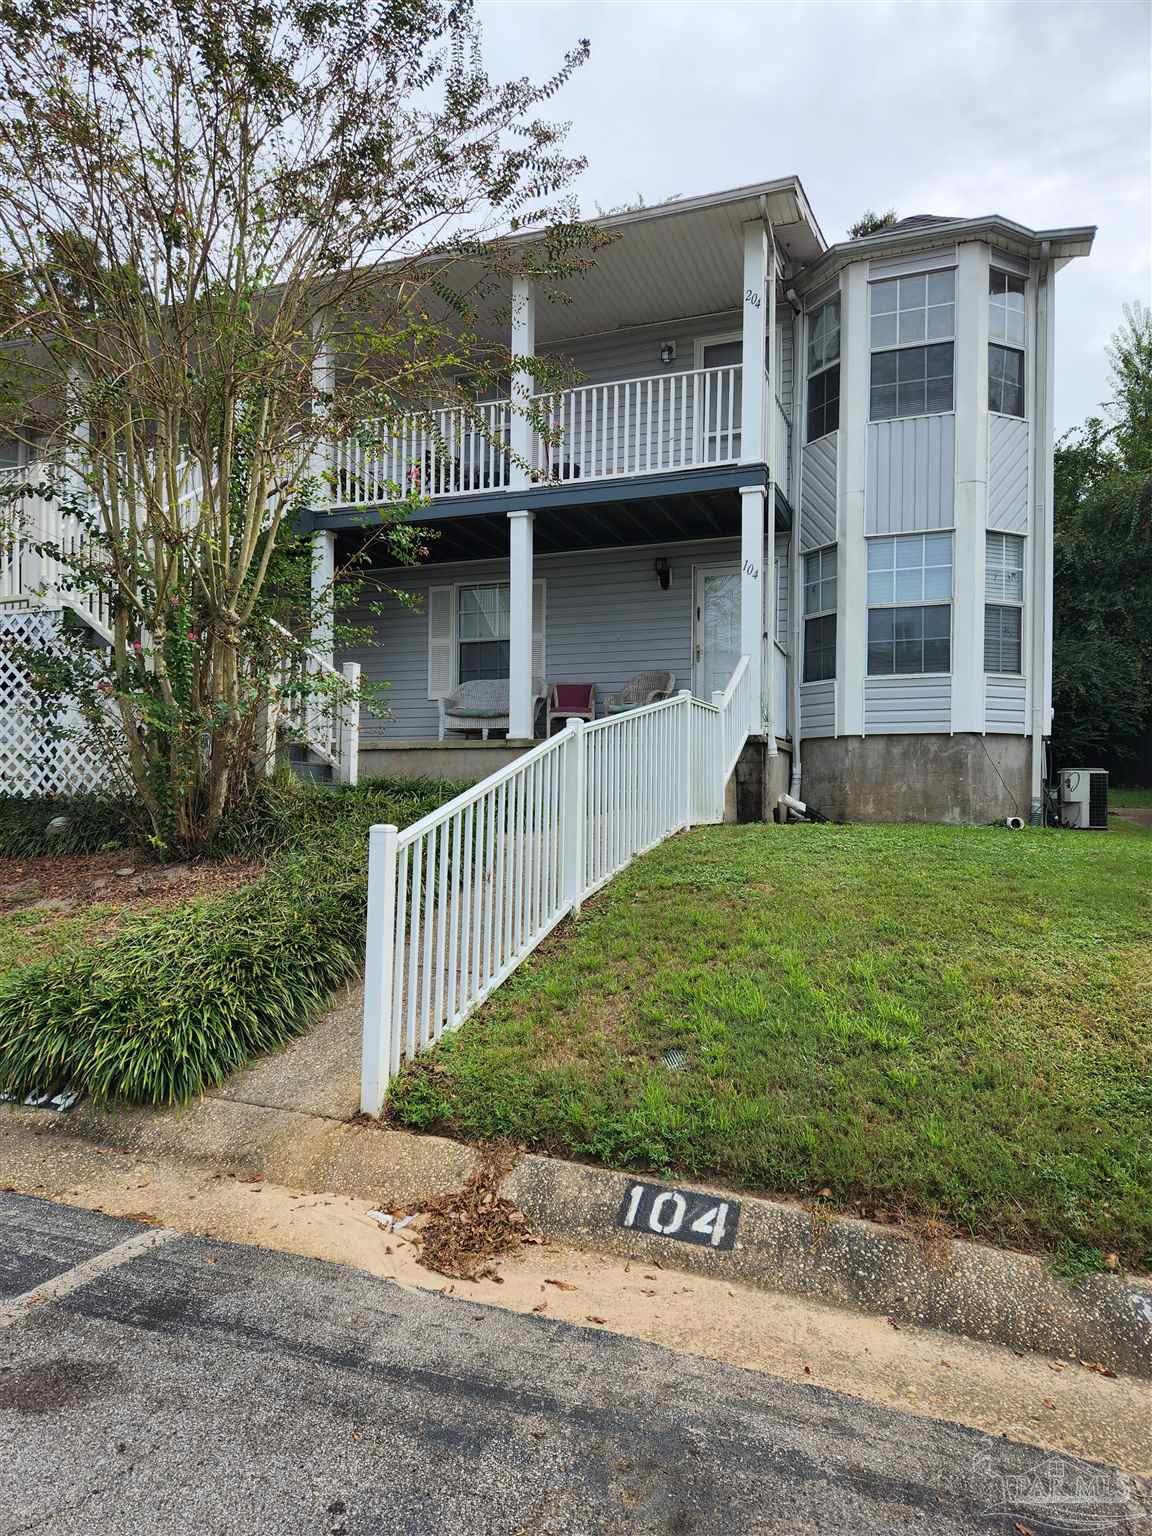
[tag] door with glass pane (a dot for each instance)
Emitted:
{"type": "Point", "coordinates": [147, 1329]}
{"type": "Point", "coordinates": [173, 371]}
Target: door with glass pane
{"type": "Point", "coordinates": [720, 396]}
{"type": "Point", "coordinates": [717, 644]}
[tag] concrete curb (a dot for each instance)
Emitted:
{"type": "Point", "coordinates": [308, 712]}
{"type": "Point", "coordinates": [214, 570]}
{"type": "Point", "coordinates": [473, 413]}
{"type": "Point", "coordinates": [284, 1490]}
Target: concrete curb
{"type": "Point", "coordinates": [966, 1288]}
{"type": "Point", "coordinates": [993, 1294]}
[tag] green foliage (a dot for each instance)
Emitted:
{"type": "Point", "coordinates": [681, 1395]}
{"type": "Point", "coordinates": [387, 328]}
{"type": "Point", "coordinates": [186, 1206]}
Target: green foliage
{"type": "Point", "coordinates": [931, 1021]}
{"type": "Point", "coordinates": [95, 822]}
{"type": "Point", "coordinates": [869, 223]}
{"type": "Point", "coordinates": [180, 999]}
{"type": "Point", "coordinates": [1102, 640]}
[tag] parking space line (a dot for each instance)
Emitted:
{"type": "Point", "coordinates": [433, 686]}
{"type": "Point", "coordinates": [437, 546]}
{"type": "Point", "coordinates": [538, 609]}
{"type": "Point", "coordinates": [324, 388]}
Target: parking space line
{"type": "Point", "coordinates": [82, 1274]}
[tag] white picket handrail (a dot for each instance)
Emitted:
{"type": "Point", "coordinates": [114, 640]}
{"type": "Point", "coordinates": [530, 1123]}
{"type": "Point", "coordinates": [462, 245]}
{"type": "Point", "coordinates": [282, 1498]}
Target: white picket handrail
{"type": "Point", "coordinates": [458, 899]}
{"type": "Point", "coordinates": [326, 722]}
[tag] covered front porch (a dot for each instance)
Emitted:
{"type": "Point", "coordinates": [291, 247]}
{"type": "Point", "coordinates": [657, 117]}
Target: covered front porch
{"type": "Point", "coordinates": [608, 589]}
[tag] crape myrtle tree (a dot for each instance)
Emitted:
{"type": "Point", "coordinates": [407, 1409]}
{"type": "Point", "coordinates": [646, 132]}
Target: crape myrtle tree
{"type": "Point", "coordinates": [1102, 621]}
{"type": "Point", "coordinates": [199, 204]}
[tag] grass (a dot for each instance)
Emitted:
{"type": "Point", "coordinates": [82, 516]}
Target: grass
{"type": "Point", "coordinates": [28, 936]}
{"type": "Point", "coordinates": [931, 1022]}
{"type": "Point", "coordinates": [1131, 799]}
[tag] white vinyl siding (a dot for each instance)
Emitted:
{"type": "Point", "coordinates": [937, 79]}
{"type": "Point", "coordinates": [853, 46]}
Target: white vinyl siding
{"type": "Point", "coordinates": [911, 475]}
{"type": "Point", "coordinates": [818, 708]}
{"type": "Point", "coordinates": [818, 492]}
{"type": "Point", "coordinates": [1008, 474]}
{"type": "Point", "coordinates": [907, 705]}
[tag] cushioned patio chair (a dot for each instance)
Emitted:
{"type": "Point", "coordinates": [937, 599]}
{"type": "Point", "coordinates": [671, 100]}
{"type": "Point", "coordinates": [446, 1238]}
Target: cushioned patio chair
{"type": "Point", "coordinates": [644, 688]}
{"type": "Point", "coordinates": [570, 701]}
{"type": "Point", "coordinates": [481, 706]}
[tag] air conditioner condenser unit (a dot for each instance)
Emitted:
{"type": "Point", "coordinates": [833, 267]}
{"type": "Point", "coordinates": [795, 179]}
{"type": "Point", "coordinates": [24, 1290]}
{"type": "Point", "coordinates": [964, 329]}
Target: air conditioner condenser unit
{"type": "Point", "coordinates": [1084, 798]}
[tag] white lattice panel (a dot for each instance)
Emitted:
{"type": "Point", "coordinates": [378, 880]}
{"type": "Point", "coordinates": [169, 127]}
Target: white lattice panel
{"type": "Point", "coordinates": [31, 761]}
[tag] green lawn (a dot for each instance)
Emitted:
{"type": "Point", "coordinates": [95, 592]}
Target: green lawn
{"type": "Point", "coordinates": [927, 1021]}
{"type": "Point", "coordinates": [1140, 799]}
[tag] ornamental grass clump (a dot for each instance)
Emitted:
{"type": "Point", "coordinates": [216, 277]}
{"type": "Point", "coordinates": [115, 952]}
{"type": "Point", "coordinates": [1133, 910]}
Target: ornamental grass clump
{"type": "Point", "coordinates": [178, 1000]}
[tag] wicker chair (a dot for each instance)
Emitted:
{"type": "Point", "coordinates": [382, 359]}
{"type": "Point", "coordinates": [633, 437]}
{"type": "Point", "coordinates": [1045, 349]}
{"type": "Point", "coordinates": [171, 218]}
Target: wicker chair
{"type": "Point", "coordinates": [644, 688]}
{"type": "Point", "coordinates": [481, 706]}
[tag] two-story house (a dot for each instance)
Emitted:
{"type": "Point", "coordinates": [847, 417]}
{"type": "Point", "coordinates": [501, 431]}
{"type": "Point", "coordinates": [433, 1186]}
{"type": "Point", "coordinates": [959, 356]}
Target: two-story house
{"type": "Point", "coordinates": [834, 460]}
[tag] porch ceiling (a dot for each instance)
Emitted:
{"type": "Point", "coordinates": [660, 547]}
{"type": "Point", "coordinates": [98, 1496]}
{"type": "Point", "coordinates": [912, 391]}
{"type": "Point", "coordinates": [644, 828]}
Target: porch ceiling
{"type": "Point", "coordinates": [619, 521]}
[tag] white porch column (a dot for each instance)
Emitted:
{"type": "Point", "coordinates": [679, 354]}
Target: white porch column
{"type": "Point", "coordinates": [323, 638]}
{"type": "Point", "coordinates": [521, 436]}
{"type": "Point", "coordinates": [754, 374]}
{"type": "Point", "coordinates": [756, 613]}
{"type": "Point", "coordinates": [971, 488]}
{"type": "Point", "coordinates": [324, 388]}
{"type": "Point", "coordinates": [521, 723]}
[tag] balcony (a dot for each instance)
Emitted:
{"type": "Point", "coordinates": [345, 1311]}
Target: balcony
{"type": "Point", "coordinates": [619, 430]}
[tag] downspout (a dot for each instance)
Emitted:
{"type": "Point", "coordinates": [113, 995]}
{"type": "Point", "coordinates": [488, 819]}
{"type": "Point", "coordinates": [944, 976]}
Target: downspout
{"type": "Point", "coordinates": [795, 606]}
{"type": "Point", "coordinates": [1041, 536]}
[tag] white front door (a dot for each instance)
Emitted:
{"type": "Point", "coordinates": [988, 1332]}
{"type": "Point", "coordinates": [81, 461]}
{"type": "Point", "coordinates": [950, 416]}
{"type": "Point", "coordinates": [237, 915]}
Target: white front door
{"type": "Point", "coordinates": [717, 641]}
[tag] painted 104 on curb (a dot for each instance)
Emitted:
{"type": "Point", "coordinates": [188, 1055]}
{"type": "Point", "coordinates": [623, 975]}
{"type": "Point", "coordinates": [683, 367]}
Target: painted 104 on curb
{"type": "Point", "coordinates": [688, 1215]}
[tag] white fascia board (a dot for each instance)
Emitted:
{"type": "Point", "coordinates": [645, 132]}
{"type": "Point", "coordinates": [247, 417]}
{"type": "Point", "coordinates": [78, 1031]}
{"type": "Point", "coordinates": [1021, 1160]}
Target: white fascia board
{"type": "Point", "coordinates": [1063, 244]}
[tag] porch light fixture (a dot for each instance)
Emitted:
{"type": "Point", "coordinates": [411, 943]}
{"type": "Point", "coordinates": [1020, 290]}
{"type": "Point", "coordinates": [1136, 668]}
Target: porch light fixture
{"type": "Point", "coordinates": [667, 352]}
{"type": "Point", "coordinates": [663, 572]}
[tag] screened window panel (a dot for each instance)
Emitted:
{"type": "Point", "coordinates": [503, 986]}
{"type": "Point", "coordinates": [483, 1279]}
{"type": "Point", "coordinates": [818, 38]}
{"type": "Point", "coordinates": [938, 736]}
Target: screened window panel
{"type": "Point", "coordinates": [1004, 567]}
{"type": "Point", "coordinates": [1006, 308]}
{"type": "Point", "coordinates": [820, 648]}
{"type": "Point", "coordinates": [902, 641]}
{"type": "Point", "coordinates": [912, 568]}
{"type": "Point", "coordinates": [1003, 627]}
{"type": "Point", "coordinates": [1005, 380]}
{"type": "Point", "coordinates": [824, 336]}
{"type": "Point", "coordinates": [820, 581]}
{"type": "Point", "coordinates": [912, 381]}
{"type": "Point", "coordinates": [480, 659]}
{"type": "Point", "coordinates": [823, 403]}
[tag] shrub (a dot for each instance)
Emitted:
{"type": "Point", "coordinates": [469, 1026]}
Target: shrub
{"type": "Point", "coordinates": [95, 822]}
{"type": "Point", "coordinates": [178, 1000]}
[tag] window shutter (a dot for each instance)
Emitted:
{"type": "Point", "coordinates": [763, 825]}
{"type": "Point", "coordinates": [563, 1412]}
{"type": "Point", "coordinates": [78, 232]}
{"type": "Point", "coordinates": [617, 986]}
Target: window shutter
{"type": "Point", "coordinates": [441, 641]}
{"type": "Point", "coordinates": [538, 653]}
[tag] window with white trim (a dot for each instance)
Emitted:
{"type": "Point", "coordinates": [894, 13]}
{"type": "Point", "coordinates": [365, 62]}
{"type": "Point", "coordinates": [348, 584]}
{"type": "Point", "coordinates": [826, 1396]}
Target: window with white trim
{"type": "Point", "coordinates": [820, 615]}
{"type": "Point", "coordinates": [482, 632]}
{"type": "Point", "coordinates": [909, 604]}
{"type": "Point", "coordinates": [1005, 343]}
{"type": "Point", "coordinates": [913, 323]}
{"type": "Point", "coordinates": [824, 370]}
{"type": "Point", "coordinates": [1004, 602]}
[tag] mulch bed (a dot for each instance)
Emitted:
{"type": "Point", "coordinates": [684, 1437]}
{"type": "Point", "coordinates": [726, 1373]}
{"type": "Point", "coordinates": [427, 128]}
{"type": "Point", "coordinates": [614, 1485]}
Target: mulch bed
{"type": "Point", "coordinates": [71, 882]}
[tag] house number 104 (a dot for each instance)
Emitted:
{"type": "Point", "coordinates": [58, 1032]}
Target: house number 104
{"type": "Point", "coordinates": [684, 1214]}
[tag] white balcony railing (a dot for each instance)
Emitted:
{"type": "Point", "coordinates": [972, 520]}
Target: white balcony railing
{"type": "Point", "coordinates": [596, 432]}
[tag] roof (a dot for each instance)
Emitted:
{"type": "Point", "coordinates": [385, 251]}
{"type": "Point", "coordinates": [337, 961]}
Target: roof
{"type": "Point", "coordinates": [926, 231]}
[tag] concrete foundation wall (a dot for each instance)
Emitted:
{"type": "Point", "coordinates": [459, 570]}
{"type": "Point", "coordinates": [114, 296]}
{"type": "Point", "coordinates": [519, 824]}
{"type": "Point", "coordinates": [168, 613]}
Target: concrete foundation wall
{"type": "Point", "coordinates": [966, 778]}
{"type": "Point", "coordinates": [466, 761]}
{"type": "Point", "coordinates": [759, 781]}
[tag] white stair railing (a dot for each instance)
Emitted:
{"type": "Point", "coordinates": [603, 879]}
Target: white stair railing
{"type": "Point", "coordinates": [319, 705]}
{"type": "Point", "coordinates": [457, 900]}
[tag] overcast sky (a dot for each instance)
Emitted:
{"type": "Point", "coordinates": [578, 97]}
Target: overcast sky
{"type": "Point", "coordinates": [1036, 109]}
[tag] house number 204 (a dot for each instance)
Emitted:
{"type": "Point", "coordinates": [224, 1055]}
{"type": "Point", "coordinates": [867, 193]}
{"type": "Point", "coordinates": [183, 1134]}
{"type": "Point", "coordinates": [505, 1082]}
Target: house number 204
{"type": "Point", "coordinates": [684, 1214]}
{"type": "Point", "coordinates": [752, 297]}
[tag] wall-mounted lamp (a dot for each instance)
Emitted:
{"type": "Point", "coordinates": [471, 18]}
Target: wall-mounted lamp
{"type": "Point", "coordinates": [667, 352]}
{"type": "Point", "coordinates": [663, 572]}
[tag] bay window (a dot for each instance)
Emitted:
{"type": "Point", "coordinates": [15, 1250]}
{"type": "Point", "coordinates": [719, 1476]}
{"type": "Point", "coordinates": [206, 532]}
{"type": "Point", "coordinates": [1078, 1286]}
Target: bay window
{"type": "Point", "coordinates": [1005, 343]}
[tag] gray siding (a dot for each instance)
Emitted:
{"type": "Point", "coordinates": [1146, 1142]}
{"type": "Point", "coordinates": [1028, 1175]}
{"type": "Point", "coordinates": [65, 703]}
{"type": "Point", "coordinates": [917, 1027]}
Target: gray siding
{"type": "Point", "coordinates": [605, 619]}
{"type": "Point", "coordinates": [818, 492]}
{"type": "Point", "coordinates": [1007, 474]}
{"type": "Point", "coordinates": [1005, 705]}
{"type": "Point", "coordinates": [786, 334]}
{"type": "Point", "coordinates": [783, 594]}
{"type": "Point", "coordinates": [818, 708]}
{"type": "Point", "coordinates": [911, 475]}
{"type": "Point", "coordinates": [907, 704]}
